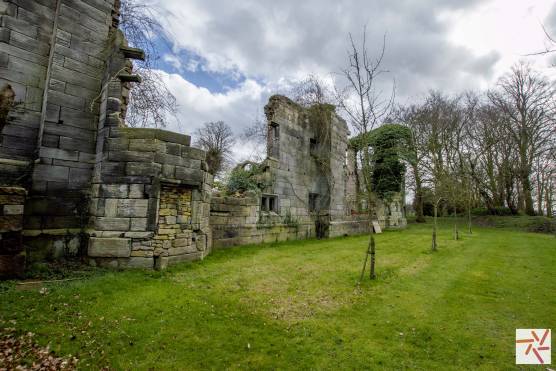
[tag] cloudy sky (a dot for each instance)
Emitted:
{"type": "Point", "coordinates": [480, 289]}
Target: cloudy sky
{"type": "Point", "coordinates": [227, 57]}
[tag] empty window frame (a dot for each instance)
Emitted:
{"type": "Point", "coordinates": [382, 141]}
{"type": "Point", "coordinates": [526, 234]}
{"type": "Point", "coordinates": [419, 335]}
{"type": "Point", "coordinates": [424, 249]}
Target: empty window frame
{"type": "Point", "coordinates": [269, 203]}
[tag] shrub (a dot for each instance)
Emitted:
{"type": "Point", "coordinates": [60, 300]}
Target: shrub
{"type": "Point", "coordinates": [247, 178]}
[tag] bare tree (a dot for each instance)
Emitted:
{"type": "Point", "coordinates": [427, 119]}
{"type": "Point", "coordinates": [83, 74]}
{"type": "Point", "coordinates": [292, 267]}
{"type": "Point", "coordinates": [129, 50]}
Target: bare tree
{"type": "Point", "coordinates": [217, 139]}
{"type": "Point", "coordinates": [365, 105]}
{"type": "Point", "coordinates": [526, 100]}
{"type": "Point", "coordinates": [150, 103]}
{"type": "Point", "coordinates": [311, 91]}
{"type": "Point", "coordinates": [412, 117]}
{"type": "Point", "coordinates": [550, 47]}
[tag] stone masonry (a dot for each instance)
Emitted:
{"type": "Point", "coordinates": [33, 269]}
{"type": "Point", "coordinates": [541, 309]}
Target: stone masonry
{"type": "Point", "coordinates": [75, 181]}
{"type": "Point", "coordinates": [312, 191]}
{"type": "Point", "coordinates": [94, 186]}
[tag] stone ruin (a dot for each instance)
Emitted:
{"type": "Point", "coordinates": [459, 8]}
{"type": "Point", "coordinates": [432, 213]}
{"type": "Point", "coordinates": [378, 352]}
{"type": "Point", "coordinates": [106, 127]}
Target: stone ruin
{"type": "Point", "coordinates": [310, 189]}
{"type": "Point", "coordinates": [75, 181]}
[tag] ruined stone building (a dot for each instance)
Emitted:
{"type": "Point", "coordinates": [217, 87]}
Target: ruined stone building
{"type": "Point", "coordinates": [310, 188]}
{"type": "Point", "coordinates": [74, 180]}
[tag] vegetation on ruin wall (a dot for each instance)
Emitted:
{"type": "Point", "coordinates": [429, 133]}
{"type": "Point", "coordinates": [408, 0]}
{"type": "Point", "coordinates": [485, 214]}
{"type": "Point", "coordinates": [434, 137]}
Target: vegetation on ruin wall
{"type": "Point", "coordinates": [390, 146]}
{"type": "Point", "coordinates": [320, 121]}
{"type": "Point", "coordinates": [247, 178]}
{"type": "Point", "coordinates": [295, 305]}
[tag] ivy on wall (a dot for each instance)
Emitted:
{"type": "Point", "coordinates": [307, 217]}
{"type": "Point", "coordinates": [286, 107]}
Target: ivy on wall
{"type": "Point", "coordinates": [389, 145]}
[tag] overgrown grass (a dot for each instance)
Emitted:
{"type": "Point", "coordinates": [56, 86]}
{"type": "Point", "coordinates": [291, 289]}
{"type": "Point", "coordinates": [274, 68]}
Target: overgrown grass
{"type": "Point", "coordinates": [298, 306]}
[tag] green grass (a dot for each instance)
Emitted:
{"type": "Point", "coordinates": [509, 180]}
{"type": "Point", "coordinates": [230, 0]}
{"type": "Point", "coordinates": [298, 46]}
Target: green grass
{"type": "Point", "coordinates": [524, 223]}
{"type": "Point", "coordinates": [297, 306]}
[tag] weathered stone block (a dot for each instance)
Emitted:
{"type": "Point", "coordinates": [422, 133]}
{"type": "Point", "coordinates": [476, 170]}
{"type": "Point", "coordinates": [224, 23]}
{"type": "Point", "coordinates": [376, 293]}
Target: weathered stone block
{"type": "Point", "coordinates": [109, 247]}
{"type": "Point", "coordinates": [183, 219]}
{"type": "Point", "coordinates": [13, 209]}
{"type": "Point", "coordinates": [111, 207]}
{"type": "Point", "coordinates": [138, 224]}
{"type": "Point", "coordinates": [173, 149]}
{"type": "Point", "coordinates": [188, 175]}
{"type": "Point", "coordinates": [136, 191]}
{"type": "Point", "coordinates": [117, 144]}
{"type": "Point", "coordinates": [112, 224]}
{"type": "Point", "coordinates": [172, 137]}
{"type": "Point", "coordinates": [51, 173]}
{"type": "Point", "coordinates": [141, 235]}
{"type": "Point", "coordinates": [143, 168]}
{"type": "Point", "coordinates": [114, 190]}
{"type": "Point", "coordinates": [193, 153]}
{"type": "Point", "coordinates": [143, 145]}
{"type": "Point", "coordinates": [131, 156]}
{"type": "Point", "coordinates": [60, 154]}
{"type": "Point", "coordinates": [139, 262]}
{"type": "Point", "coordinates": [136, 208]}
{"type": "Point", "coordinates": [168, 171]}
{"type": "Point", "coordinates": [167, 159]}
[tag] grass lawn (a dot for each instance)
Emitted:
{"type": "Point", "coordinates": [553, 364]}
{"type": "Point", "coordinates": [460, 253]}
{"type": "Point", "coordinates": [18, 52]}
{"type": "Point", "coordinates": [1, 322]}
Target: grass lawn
{"type": "Point", "coordinates": [297, 306]}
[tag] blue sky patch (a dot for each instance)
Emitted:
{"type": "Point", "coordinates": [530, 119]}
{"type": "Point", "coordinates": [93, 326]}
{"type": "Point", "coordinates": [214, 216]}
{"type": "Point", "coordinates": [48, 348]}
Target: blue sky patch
{"type": "Point", "coordinates": [192, 67]}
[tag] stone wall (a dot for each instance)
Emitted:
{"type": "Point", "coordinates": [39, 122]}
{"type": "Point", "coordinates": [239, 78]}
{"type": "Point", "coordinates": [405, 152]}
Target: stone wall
{"type": "Point", "coordinates": [297, 172]}
{"type": "Point", "coordinates": [301, 164]}
{"type": "Point", "coordinates": [240, 221]}
{"type": "Point", "coordinates": [129, 197]}
{"type": "Point", "coordinates": [94, 185]}
{"type": "Point", "coordinates": [142, 180]}
{"type": "Point", "coordinates": [12, 257]}
{"type": "Point", "coordinates": [52, 54]}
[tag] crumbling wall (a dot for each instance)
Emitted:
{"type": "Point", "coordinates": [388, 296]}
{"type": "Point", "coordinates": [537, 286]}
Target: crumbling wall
{"type": "Point", "coordinates": [65, 74]}
{"type": "Point", "coordinates": [313, 184]}
{"type": "Point", "coordinates": [240, 221]}
{"type": "Point", "coordinates": [136, 168]}
{"type": "Point", "coordinates": [294, 170]}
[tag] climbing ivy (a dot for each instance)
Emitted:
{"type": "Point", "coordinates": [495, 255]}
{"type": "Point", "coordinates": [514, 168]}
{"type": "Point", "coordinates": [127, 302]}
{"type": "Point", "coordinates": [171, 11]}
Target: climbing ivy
{"type": "Point", "coordinates": [390, 144]}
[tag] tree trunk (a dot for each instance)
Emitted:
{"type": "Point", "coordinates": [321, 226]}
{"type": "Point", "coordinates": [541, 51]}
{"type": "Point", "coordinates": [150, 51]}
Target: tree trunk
{"type": "Point", "coordinates": [365, 262]}
{"type": "Point", "coordinates": [527, 196]}
{"type": "Point", "coordinates": [469, 209]}
{"type": "Point", "coordinates": [357, 181]}
{"type": "Point", "coordinates": [372, 274]}
{"type": "Point", "coordinates": [540, 194]}
{"type": "Point", "coordinates": [549, 200]}
{"type": "Point", "coordinates": [434, 227]}
{"type": "Point", "coordinates": [456, 232]}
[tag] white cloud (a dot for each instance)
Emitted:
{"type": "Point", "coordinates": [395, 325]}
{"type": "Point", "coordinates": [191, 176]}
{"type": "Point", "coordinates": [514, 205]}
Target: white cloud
{"type": "Point", "coordinates": [512, 28]}
{"type": "Point", "coordinates": [451, 45]}
{"type": "Point", "coordinates": [196, 105]}
{"type": "Point", "coordinates": [173, 60]}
